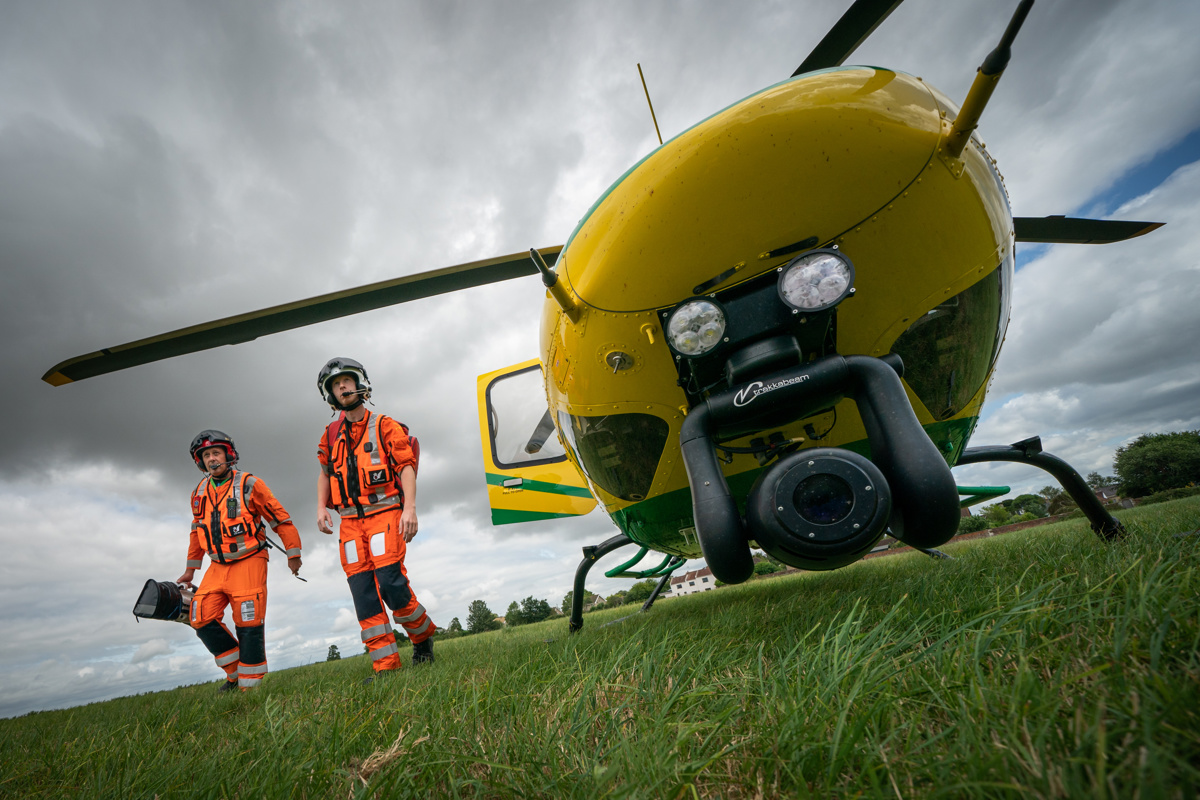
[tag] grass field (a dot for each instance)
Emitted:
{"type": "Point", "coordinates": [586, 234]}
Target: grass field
{"type": "Point", "coordinates": [1043, 663]}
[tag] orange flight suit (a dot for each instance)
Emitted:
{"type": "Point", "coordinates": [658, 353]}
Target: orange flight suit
{"type": "Point", "coordinates": [367, 497]}
{"type": "Point", "coordinates": [227, 523]}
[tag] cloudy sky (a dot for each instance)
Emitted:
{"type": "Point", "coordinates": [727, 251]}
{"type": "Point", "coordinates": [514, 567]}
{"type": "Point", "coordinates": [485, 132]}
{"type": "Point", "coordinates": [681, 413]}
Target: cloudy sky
{"type": "Point", "coordinates": [167, 163]}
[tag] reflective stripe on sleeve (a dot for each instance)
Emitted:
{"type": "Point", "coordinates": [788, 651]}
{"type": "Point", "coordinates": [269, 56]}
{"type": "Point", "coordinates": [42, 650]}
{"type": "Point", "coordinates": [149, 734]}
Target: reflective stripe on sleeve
{"type": "Point", "coordinates": [421, 629]}
{"type": "Point", "coordinates": [384, 652]}
{"type": "Point", "coordinates": [327, 469]}
{"type": "Point", "coordinates": [228, 659]}
{"type": "Point", "coordinates": [195, 525]}
{"type": "Point", "coordinates": [413, 617]}
{"type": "Point", "coordinates": [275, 525]}
{"type": "Point", "coordinates": [378, 630]}
{"type": "Point", "coordinates": [197, 564]}
{"type": "Point", "coordinates": [292, 552]}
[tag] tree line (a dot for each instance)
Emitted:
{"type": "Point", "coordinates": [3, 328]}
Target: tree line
{"type": "Point", "coordinates": [481, 618]}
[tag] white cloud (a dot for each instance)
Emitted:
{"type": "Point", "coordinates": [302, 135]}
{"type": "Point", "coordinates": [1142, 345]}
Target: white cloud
{"type": "Point", "coordinates": [151, 649]}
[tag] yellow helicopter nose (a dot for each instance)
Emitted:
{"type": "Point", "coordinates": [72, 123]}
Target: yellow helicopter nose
{"type": "Point", "coordinates": [805, 159]}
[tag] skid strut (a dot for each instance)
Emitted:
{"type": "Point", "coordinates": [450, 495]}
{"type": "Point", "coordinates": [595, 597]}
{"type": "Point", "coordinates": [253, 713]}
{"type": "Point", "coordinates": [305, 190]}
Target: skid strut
{"type": "Point", "coordinates": [1029, 451]}
{"type": "Point", "coordinates": [591, 554]}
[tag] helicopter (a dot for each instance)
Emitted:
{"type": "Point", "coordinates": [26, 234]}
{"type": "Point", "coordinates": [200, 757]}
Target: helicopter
{"type": "Point", "coordinates": [778, 327]}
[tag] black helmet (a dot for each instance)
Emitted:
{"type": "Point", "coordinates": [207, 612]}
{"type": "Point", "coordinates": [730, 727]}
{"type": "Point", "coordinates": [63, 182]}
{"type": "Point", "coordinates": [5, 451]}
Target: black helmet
{"type": "Point", "coordinates": [343, 366]}
{"type": "Point", "coordinates": [210, 438]}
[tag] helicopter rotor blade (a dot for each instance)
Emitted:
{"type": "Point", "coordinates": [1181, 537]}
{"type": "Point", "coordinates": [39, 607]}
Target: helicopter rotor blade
{"type": "Point", "coordinates": [859, 22]}
{"type": "Point", "coordinates": [249, 326]}
{"type": "Point", "coordinates": [1073, 230]}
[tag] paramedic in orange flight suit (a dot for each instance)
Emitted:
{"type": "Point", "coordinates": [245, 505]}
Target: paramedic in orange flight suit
{"type": "Point", "coordinates": [361, 455]}
{"type": "Point", "coordinates": [228, 509]}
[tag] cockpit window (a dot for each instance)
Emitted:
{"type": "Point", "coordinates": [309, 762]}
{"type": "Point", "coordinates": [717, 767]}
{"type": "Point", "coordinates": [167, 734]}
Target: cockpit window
{"type": "Point", "coordinates": [949, 351]}
{"type": "Point", "coordinates": [619, 452]}
{"type": "Point", "coordinates": [522, 432]}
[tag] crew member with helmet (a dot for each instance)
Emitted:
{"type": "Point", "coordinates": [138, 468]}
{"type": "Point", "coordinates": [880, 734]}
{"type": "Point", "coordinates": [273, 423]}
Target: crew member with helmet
{"type": "Point", "coordinates": [228, 509]}
{"type": "Point", "coordinates": [369, 475]}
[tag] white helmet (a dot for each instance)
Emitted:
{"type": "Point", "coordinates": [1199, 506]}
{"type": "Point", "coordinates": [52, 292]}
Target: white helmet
{"type": "Point", "coordinates": [343, 366]}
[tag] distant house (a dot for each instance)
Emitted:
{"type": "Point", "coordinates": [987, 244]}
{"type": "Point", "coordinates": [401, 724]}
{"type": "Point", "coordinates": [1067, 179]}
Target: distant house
{"type": "Point", "coordinates": [1109, 495]}
{"type": "Point", "coordinates": [700, 580]}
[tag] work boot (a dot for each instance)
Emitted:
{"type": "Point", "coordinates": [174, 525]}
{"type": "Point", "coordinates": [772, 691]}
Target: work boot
{"type": "Point", "coordinates": [423, 652]}
{"type": "Point", "coordinates": [228, 686]}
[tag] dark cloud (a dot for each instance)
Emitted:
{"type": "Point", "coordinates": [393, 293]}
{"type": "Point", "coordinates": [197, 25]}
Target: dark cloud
{"type": "Point", "coordinates": [164, 164]}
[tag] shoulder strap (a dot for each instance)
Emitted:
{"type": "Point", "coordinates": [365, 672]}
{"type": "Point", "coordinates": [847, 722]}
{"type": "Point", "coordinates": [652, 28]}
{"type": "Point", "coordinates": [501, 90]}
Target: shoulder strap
{"type": "Point", "coordinates": [199, 494]}
{"type": "Point", "coordinates": [248, 481]}
{"type": "Point", "coordinates": [331, 433]}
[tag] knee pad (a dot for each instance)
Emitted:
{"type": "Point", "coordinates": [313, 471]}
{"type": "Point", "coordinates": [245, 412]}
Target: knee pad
{"type": "Point", "coordinates": [365, 595]}
{"type": "Point", "coordinates": [252, 644]}
{"type": "Point", "coordinates": [393, 586]}
{"type": "Point", "coordinates": [216, 638]}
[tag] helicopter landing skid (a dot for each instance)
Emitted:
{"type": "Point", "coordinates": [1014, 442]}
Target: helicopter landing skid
{"type": "Point", "coordinates": [1029, 451]}
{"type": "Point", "coordinates": [593, 553]}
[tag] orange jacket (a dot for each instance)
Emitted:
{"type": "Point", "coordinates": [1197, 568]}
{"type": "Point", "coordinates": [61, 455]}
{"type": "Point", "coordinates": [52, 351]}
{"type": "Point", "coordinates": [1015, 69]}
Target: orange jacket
{"type": "Point", "coordinates": [227, 520]}
{"type": "Point", "coordinates": [364, 471]}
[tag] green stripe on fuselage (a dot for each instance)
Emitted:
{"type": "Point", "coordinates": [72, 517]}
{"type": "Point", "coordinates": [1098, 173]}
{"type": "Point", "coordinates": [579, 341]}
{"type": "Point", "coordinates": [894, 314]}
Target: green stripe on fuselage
{"type": "Point", "coordinates": [540, 486]}
{"type": "Point", "coordinates": [507, 516]}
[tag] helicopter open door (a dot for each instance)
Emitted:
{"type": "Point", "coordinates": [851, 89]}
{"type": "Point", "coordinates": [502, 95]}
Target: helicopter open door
{"type": "Point", "coordinates": [528, 474]}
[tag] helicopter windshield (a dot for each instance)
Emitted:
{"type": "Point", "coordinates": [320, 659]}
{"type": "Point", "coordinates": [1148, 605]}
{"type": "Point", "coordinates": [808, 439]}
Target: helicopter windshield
{"type": "Point", "coordinates": [619, 452]}
{"type": "Point", "coordinates": [949, 351]}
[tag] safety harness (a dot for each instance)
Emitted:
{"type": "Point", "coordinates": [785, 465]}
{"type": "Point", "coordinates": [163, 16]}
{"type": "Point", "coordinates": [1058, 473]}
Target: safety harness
{"type": "Point", "coordinates": [376, 485]}
{"type": "Point", "coordinates": [225, 535]}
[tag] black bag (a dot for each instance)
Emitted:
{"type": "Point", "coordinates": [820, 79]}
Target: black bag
{"type": "Point", "coordinates": [163, 600]}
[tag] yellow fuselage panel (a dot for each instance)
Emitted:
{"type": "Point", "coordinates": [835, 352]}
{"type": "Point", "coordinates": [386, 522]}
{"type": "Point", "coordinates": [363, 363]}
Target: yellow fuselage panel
{"type": "Point", "coordinates": [809, 157]}
{"type": "Point", "coordinates": [919, 230]}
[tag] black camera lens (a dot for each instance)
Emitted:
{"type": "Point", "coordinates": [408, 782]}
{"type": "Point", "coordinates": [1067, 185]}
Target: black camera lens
{"type": "Point", "coordinates": [823, 499]}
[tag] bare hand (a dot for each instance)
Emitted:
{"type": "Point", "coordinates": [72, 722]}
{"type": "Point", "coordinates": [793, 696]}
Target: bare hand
{"type": "Point", "coordinates": [294, 565]}
{"type": "Point", "coordinates": [324, 521]}
{"type": "Point", "coordinates": [186, 579]}
{"type": "Point", "coordinates": [408, 523]}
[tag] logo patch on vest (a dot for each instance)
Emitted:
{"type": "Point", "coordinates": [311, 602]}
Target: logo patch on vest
{"type": "Point", "coordinates": [196, 505]}
{"type": "Point", "coordinates": [377, 475]}
{"type": "Point", "coordinates": [238, 529]}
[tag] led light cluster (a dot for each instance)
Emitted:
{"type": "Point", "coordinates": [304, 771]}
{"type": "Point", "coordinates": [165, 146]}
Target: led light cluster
{"type": "Point", "coordinates": [816, 280]}
{"type": "Point", "coordinates": [696, 327]}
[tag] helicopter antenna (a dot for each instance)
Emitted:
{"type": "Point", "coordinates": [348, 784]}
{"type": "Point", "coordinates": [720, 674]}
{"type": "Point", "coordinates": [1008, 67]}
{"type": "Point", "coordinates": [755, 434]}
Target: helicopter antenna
{"type": "Point", "coordinates": [647, 91]}
{"type": "Point", "coordinates": [556, 289]}
{"type": "Point", "coordinates": [985, 83]}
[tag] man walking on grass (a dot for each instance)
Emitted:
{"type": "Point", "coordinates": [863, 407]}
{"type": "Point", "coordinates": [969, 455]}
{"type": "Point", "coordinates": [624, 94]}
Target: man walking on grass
{"type": "Point", "coordinates": [228, 509]}
{"type": "Point", "coordinates": [369, 475]}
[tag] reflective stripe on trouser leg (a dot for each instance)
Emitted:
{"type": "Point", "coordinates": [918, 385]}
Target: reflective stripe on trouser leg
{"type": "Point", "coordinates": [377, 632]}
{"type": "Point", "coordinates": [253, 664]}
{"type": "Point", "coordinates": [220, 642]}
{"type": "Point", "coordinates": [406, 611]}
